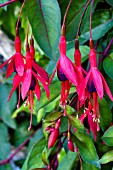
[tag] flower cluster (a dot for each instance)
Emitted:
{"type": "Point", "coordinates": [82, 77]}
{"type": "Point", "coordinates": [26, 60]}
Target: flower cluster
{"type": "Point", "coordinates": [89, 87]}
{"type": "Point", "coordinates": [28, 74]}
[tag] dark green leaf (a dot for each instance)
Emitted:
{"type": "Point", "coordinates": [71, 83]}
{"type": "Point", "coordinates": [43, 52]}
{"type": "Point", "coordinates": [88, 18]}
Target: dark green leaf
{"type": "Point", "coordinates": [68, 161]}
{"type": "Point", "coordinates": [105, 114]}
{"type": "Point", "coordinates": [108, 136]}
{"type": "Point", "coordinates": [107, 157]}
{"type": "Point", "coordinates": [38, 135]}
{"type": "Point", "coordinates": [4, 144]}
{"type": "Point", "coordinates": [86, 148]}
{"type": "Point", "coordinates": [64, 124]}
{"type": "Point", "coordinates": [6, 108]}
{"type": "Point", "coordinates": [108, 65]}
{"type": "Point", "coordinates": [99, 30]}
{"type": "Point", "coordinates": [54, 91]}
{"type": "Point", "coordinates": [110, 2]}
{"type": "Point", "coordinates": [44, 17]}
{"type": "Point", "coordinates": [35, 157]}
{"type": "Point", "coordinates": [76, 123]}
{"type": "Point", "coordinates": [87, 166]}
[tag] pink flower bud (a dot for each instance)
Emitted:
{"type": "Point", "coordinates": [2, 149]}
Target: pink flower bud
{"type": "Point", "coordinates": [53, 137]}
{"type": "Point", "coordinates": [70, 145]}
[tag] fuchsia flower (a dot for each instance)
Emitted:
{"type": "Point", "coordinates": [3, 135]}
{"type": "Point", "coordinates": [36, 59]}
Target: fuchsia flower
{"type": "Point", "coordinates": [15, 63]}
{"type": "Point", "coordinates": [33, 73]}
{"type": "Point", "coordinates": [89, 116]}
{"type": "Point", "coordinates": [94, 78]}
{"type": "Point", "coordinates": [67, 73]}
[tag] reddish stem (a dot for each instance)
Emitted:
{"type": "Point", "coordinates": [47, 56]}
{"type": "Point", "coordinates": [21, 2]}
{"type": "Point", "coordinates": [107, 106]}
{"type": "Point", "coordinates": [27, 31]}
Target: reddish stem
{"type": "Point", "coordinates": [105, 52]}
{"type": "Point", "coordinates": [7, 3]}
{"type": "Point", "coordinates": [20, 14]}
{"type": "Point", "coordinates": [6, 161]}
{"type": "Point", "coordinates": [86, 5]}
{"type": "Point", "coordinates": [91, 20]}
{"type": "Point", "coordinates": [65, 15]}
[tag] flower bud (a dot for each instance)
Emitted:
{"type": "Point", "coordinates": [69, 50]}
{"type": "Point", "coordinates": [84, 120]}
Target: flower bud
{"type": "Point", "coordinates": [70, 145]}
{"type": "Point", "coordinates": [53, 137]}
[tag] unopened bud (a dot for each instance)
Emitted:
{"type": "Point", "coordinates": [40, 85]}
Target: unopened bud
{"type": "Point", "coordinates": [70, 145]}
{"type": "Point", "coordinates": [53, 137]}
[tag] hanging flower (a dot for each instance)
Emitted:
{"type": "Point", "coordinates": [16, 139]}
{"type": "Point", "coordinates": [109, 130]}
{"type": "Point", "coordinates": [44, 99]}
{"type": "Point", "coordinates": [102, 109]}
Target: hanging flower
{"type": "Point", "coordinates": [15, 63]}
{"type": "Point", "coordinates": [68, 74]}
{"type": "Point", "coordinates": [94, 78]}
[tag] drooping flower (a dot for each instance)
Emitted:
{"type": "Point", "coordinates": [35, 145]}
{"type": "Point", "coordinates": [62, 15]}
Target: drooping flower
{"type": "Point", "coordinates": [67, 73]}
{"type": "Point", "coordinates": [16, 62]}
{"type": "Point", "coordinates": [94, 79]}
{"type": "Point", "coordinates": [32, 74]}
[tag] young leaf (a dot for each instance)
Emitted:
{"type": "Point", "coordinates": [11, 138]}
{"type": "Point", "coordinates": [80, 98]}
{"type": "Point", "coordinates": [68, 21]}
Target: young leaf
{"type": "Point", "coordinates": [108, 136]}
{"type": "Point", "coordinates": [76, 123]}
{"type": "Point", "coordinates": [45, 20]}
{"type": "Point", "coordinates": [107, 157]}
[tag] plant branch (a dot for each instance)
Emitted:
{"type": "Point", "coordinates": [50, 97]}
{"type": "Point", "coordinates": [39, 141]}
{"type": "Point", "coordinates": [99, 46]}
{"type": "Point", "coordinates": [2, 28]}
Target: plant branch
{"type": "Point", "coordinates": [6, 161]}
{"type": "Point", "coordinates": [65, 15]}
{"type": "Point", "coordinates": [7, 3]}
{"type": "Point", "coordinates": [105, 52]}
{"type": "Point", "coordinates": [86, 5]}
{"type": "Point", "coordinates": [91, 20]}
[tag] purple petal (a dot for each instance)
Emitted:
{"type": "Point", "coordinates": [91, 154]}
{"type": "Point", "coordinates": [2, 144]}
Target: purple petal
{"type": "Point", "coordinates": [68, 69]}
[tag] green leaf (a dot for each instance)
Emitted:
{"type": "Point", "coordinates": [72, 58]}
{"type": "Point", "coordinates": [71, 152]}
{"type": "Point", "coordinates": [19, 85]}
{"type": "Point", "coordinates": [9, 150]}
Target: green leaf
{"type": "Point", "coordinates": [108, 136]}
{"type": "Point", "coordinates": [105, 114]}
{"type": "Point", "coordinates": [72, 19]}
{"type": "Point", "coordinates": [45, 20]}
{"type": "Point", "coordinates": [108, 65]}
{"type": "Point", "coordinates": [87, 166]}
{"type": "Point", "coordinates": [99, 31]}
{"type": "Point", "coordinates": [38, 135]}
{"type": "Point", "coordinates": [107, 157]}
{"type": "Point", "coordinates": [76, 123]}
{"type": "Point", "coordinates": [35, 157]}
{"type": "Point", "coordinates": [52, 116]}
{"type": "Point", "coordinates": [6, 108]}
{"type": "Point", "coordinates": [83, 49]}
{"type": "Point", "coordinates": [110, 2]}
{"type": "Point", "coordinates": [4, 143]}
{"type": "Point", "coordinates": [54, 91]}
{"type": "Point", "coordinates": [45, 156]}
{"type": "Point", "coordinates": [68, 161]}
{"type": "Point", "coordinates": [86, 148]}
